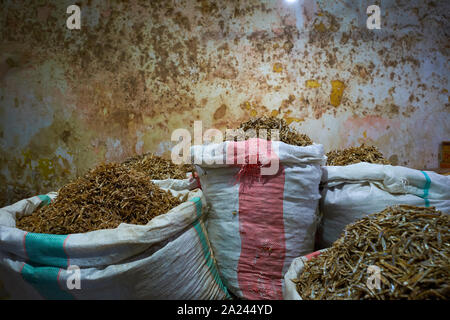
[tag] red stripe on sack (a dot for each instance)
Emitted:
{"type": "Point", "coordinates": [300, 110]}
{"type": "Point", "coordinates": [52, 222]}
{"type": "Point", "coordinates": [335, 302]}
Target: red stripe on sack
{"type": "Point", "coordinates": [23, 266]}
{"type": "Point", "coordinates": [62, 286]}
{"type": "Point", "coordinates": [57, 278]}
{"type": "Point", "coordinates": [312, 255]}
{"type": "Point", "coordinates": [24, 246]}
{"type": "Point", "coordinates": [64, 248]}
{"type": "Point", "coordinates": [261, 226]}
{"type": "Point", "coordinates": [197, 178]}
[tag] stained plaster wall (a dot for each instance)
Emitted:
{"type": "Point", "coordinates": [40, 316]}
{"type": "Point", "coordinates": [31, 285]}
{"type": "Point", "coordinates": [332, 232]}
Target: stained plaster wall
{"type": "Point", "coordinates": [137, 70]}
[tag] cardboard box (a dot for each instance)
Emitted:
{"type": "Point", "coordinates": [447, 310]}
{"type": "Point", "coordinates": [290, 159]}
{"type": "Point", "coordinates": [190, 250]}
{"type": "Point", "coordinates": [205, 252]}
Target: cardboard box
{"type": "Point", "coordinates": [445, 155]}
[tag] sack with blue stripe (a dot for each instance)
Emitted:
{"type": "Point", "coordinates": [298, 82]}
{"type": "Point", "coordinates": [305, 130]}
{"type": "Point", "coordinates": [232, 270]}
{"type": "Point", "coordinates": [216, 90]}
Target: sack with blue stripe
{"type": "Point", "coordinates": [168, 258]}
{"type": "Point", "coordinates": [354, 191]}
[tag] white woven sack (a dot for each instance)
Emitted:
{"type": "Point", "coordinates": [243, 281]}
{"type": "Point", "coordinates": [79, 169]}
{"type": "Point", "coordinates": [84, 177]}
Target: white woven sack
{"type": "Point", "coordinates": [258, 225]}
{"type": "Point", "coordinates": [169, 258]}
{"type": "Point", "coordinates": [354, 191]}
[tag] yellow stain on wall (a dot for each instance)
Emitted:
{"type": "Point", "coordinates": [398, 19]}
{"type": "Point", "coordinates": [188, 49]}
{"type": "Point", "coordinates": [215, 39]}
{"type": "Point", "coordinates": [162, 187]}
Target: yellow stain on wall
{"type": "Point", "coordinates": [27, 157]}
{"type": "Point", "coordinates": [320, 27]}
{"type": "Point", "coordinates": [274, 113]}
{"type": "Point", "coordinates": [277, 67]}
{"type": "Point", "coordinates": [253, 113]}
{"type": "Point", "coordinates": [289, 120]}
{"type": "Point", "coordinates": [365, 134]}
{"type": "Point", "coordinates": [337, 91]}
{"type": "Point", "coordinates": [46, 168]}
{"type": "Point", "coordinates": [312, 84]}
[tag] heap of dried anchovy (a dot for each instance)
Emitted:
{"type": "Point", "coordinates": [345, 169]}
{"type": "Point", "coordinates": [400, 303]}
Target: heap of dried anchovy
{"type": "Point", "coordinates": [286, 133]}
{"type": "Point", "coordinates": [158, 168]}
{"type": "Point", "coordinates": [353, 155]}
{"type": "Point", "coordinates": [410, 245]}
{"type": "Point", "coordinates": [105, 197]}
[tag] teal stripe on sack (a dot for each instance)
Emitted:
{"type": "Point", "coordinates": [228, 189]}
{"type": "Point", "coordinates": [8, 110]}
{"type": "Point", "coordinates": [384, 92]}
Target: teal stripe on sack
{"type": "Point", "coordinates": [46, 200]}
{"type": "Point", "coordinates": [208, 257]}
{"type": "Point", "coordinates": [45, 281]}
{"type": "Point", "coordinates": [207, 254]}
{"type": "Point", "coordinates": [46, 249]}
{"type": "Point", "coordinates": [198, 206]}
{"type": "Point", "coordinates": [426, 189]}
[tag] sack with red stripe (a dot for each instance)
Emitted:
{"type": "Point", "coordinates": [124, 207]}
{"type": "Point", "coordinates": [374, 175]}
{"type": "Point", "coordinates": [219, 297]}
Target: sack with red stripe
{"type": "Point", "coordinates": [168, 258]}
{"type": "Point", "coordinates": [263, 197]}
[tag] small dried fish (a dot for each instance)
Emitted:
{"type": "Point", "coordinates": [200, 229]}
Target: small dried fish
{"type": "Point", "coordinates": [105, 197]}
{"type": "Point", "coordinates": [158, 168]}
{"type": "Point", "coordinates": [412, 252]}
{"type": "Point", "coordinates": [353, 155]}
{"type": "Point", "coordinates": [286, 133]}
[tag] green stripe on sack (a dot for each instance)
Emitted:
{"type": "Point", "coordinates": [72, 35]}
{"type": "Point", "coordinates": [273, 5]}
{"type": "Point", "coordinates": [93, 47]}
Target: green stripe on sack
{"type": "Point", "coordinates": [426, 189]}
{"type": "Point", "coordinates": [207, 254]}
{"type": "Point", "coordinates": [46, 249]}
{"type": "Point", "coordinates": [208, 257]}
{"type": "Point", "coordinates": [45, 281]}
{"type": "Point", "coordinates": [45, 200]}
{"type": "Point", "coordinates": [46, 255]}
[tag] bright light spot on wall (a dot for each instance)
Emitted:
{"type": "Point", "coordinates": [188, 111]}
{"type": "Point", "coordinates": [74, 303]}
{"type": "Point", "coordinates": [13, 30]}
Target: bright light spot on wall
{"type": "Point", "coordinates": [291, 1]}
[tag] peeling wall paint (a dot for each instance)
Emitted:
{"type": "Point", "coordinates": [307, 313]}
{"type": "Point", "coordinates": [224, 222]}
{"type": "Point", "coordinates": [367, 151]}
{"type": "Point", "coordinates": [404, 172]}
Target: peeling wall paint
{"type": "Point", "coordinates": [137, 70]}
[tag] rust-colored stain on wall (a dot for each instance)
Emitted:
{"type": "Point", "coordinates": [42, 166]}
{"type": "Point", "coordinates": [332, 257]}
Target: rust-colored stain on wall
{"type": "Point", "coordinates": [137, 70]}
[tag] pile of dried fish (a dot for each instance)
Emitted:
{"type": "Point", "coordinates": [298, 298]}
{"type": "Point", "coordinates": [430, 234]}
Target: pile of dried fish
{"type": "Point", "coordinates": [409, 245]}
{"type": "Point", "coordinates": [353, 155]}
{"type": "Point", "coordinates": [105, 197]}
{"type": "Point", "coordinates": [158, 168]}
{"type": "Point", "coordinates": [286, 134]}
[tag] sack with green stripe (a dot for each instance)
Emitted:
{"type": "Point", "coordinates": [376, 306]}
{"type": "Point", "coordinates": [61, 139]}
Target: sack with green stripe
{"type": "Point", "coordinates": [168, 258]}
{"type": "Point", "coordinates": [354, 191]}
